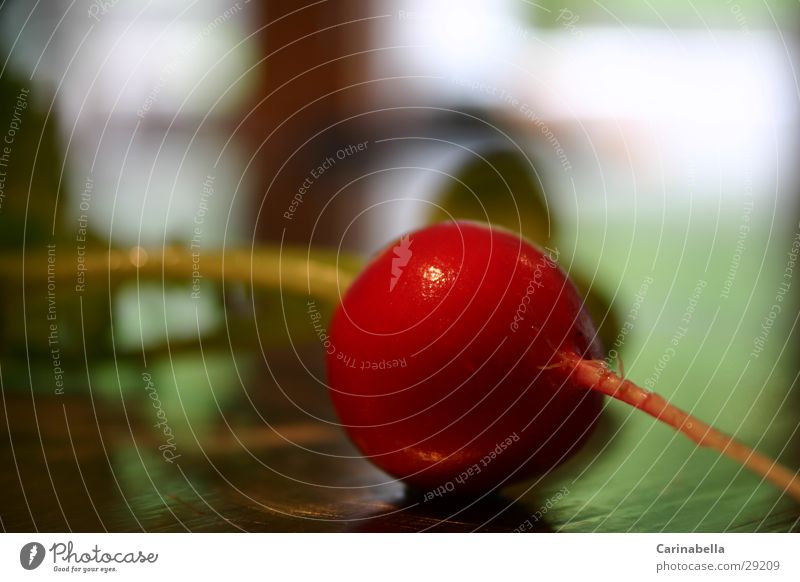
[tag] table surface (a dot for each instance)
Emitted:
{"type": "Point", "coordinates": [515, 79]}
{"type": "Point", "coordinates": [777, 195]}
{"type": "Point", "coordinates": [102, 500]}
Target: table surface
{"type": "Point", "coordinates": [260, 451]}
{"type": "Point", "coordinates": [93, 464]}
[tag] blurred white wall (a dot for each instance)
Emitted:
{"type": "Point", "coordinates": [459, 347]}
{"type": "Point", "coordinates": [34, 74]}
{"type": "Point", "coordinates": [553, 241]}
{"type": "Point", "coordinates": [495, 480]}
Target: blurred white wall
{"type": "Point", "coordinates": [646, 116]}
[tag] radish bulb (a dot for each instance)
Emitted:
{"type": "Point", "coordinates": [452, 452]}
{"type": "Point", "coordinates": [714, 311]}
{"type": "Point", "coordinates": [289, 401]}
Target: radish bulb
{"type": "Point", "coordinates": [462, 358]}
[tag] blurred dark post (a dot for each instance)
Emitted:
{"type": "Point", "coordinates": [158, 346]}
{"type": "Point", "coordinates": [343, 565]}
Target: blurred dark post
{"type": "Point", "coordinates": [305, 96]}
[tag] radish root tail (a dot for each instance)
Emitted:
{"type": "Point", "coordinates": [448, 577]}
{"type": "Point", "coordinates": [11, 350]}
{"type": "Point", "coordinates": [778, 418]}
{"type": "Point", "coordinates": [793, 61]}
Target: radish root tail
{"type": "Point", "coordinates": [595, 375]}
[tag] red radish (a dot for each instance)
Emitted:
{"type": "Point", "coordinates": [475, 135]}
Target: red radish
{"type": "Point", "coordinates": [461, 359]}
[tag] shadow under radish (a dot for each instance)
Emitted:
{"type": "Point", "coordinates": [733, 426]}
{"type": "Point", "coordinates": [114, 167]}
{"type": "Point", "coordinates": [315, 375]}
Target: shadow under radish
{"type": "Point", "coordinates": [491, 513]}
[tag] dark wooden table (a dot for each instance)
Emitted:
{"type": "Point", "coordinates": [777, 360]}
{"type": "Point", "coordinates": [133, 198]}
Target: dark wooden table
{"type": "Point", "coordinates": [260, 449]}
{"type": "Point", "coordinates": [261, 454]}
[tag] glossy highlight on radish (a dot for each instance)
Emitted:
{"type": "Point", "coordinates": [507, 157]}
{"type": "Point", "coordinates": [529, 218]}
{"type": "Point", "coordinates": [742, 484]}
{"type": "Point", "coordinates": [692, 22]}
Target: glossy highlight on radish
{"type": "Point", "coordinates": [471, 363]}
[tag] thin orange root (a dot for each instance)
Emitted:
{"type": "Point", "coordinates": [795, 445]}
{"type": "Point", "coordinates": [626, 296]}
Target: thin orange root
{"type": "Point", "coordinates": [595, 375]}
